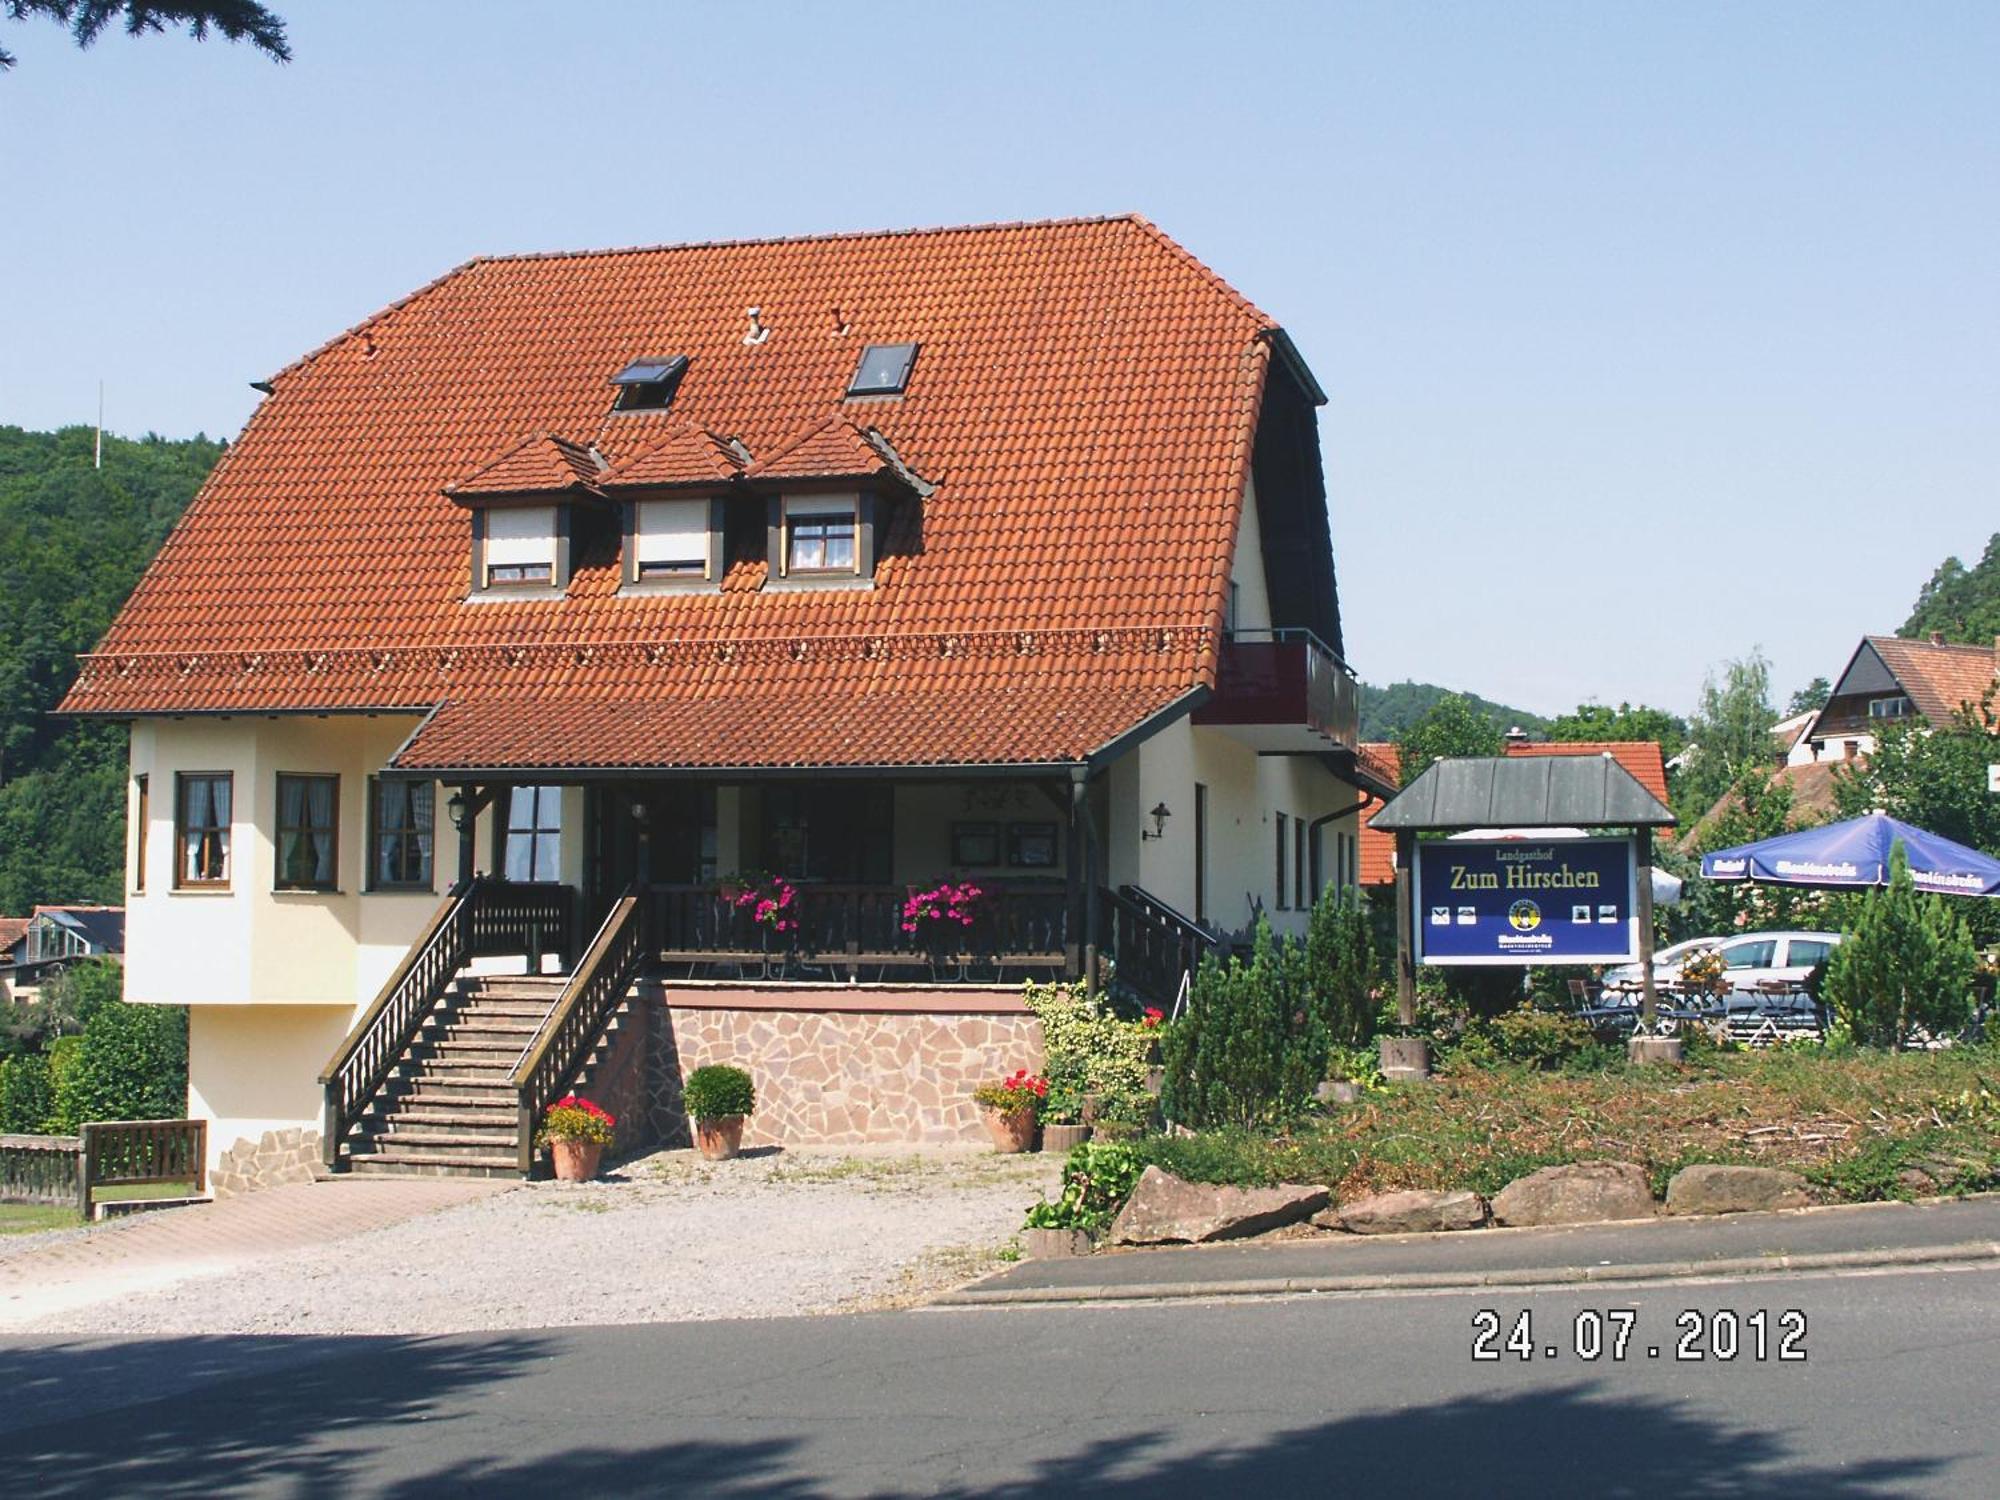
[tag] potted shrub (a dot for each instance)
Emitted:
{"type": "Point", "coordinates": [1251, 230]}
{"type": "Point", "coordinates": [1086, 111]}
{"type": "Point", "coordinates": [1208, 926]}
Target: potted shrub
{"type": "Point", "coordinates": [1010, 1108]}
{"type": "Point", "coordinates": [717, 1098]}
{"type": "Point", "coordinates": [576, 1132]}
{"type": "Point", "coordinates": [1063, 1124]}
{"type": "Point", "coordinates": [1097, 1179]}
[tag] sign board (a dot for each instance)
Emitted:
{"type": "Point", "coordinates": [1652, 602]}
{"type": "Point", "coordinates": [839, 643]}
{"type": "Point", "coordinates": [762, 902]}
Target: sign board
{"type": "Point", "coordinates": [1527, 901]}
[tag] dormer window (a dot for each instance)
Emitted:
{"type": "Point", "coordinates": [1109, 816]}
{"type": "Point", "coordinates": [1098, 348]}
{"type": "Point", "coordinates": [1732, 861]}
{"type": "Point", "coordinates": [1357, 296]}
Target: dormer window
{"type": "Point", "coordinates": [822, 535]}
{"type": "Point", "coordinates": [677, 541]}
{"type": "Point", "coordinates": [649, 384]}
{"type": "Point", "coordinates": [884, 370]}
{"type": "Point", "coordinates": [518, 547]}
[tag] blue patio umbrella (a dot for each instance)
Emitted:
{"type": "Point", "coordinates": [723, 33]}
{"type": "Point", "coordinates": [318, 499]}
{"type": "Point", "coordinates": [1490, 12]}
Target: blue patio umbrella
{"type": "Point", "coordinates": [1855, 854]}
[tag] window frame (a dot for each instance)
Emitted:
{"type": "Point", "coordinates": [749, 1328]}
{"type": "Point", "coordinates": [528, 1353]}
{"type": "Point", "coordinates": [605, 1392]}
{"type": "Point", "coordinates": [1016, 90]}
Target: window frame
{"type": "Point", "coordinates": [504, 830]}
{"type": "Point", "coordinates": [280, 828]}
{"type": "Point", "coordinates": [808, 505]}
{"type": "Point", "coordinates": [141, 817]}
{"type": "Point", "coordinates": [484, 582]}
{"type": "Point", "coordinates": [1300, 834]}
{"type": "Point", "coordinates": [1284, 848]}
{"type": "Point", "coordinates": [183, 780]}
{"type": "Point", "coordinates": [633, 563]}
{"type": "Point", "coordinates": [372, 879]}
{"type": "Point", "coordinates": [900, 386]}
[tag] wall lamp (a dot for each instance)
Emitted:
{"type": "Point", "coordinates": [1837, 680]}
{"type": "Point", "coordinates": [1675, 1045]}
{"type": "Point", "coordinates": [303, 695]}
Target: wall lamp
{"type": "Point", "coordinates": [455, 809]}
{"type": "Point", "coordinates": [1161, 812]}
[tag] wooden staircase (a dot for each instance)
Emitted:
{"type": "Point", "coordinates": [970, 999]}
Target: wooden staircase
{"type": "Point", "coordinates": [450, 1107]}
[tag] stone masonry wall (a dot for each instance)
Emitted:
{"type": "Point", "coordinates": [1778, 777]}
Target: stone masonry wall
{"type": "Point", "coordinates": [272, 1160]}
{"type": "Point", "coordinates": [845, 1076]}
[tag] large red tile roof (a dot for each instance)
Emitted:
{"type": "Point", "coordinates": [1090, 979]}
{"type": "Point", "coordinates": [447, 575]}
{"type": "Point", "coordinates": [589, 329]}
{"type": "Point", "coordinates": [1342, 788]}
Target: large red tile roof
{"type": "Point", "coordinates": [1643, 758]}
{"type": "Point", "coordinates": [1081, 412]}
{"type": "Point", "coordinates": [538, 464]}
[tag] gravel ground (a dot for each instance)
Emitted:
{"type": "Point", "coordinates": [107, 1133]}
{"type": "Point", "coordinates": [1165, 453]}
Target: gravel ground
{"type": "Point", "coordinates": [667, 1238]}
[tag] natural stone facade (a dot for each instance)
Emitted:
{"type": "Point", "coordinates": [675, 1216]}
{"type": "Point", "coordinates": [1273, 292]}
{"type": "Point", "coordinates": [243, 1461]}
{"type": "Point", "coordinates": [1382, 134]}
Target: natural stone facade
{"type": "Point", "coordinates": [275, 1158]}
{"type": "Point", "coordinates": [848, 1070]}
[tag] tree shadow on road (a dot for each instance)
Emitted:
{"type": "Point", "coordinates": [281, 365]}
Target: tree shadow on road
{"type": "Point", "coordinates": [202, 1417]}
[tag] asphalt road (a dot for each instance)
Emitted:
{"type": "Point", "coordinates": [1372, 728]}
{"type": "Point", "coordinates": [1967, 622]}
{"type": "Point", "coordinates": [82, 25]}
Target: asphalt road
{"type": "Point", "coordinates": [1347, 1395]}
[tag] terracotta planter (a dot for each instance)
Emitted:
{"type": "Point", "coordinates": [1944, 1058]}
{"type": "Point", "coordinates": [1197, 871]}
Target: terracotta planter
{"type": "Point", "coordinates": [576, 1161]}
{"type": "Point", "coordinates": [1063, 1138]}
{"type": "Point", "coordinates": [719, 1139]}
{"type": "Point", "coordinates": [1011, 1133]}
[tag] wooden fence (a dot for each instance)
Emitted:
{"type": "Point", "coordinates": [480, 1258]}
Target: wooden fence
{"type": "Point", "coordinates": [66, 1170]}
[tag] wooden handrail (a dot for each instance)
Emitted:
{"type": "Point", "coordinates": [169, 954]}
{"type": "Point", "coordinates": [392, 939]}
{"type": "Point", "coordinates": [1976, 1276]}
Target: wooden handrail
{"type": "Point", "coordinates": [578, 1017]}
{"type": "Point", "coordinates": [383, 996]}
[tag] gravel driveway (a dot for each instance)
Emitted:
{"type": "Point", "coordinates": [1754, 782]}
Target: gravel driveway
{"type": "Point", "coordinates": [668, 1238]}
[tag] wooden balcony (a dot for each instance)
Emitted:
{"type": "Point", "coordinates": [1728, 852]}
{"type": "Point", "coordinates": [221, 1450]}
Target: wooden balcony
{"type": "Point", "coordinates": [856, 932]}
{"type": "Point", "coordinates": [1283, 692]}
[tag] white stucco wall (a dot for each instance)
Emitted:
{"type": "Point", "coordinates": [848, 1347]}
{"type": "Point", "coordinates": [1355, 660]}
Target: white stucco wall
{"type": "Point", "coordinates": [252, 1069]}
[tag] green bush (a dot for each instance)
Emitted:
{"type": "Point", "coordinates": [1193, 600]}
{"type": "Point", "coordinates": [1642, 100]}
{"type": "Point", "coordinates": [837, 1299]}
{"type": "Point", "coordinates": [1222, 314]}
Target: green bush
{"type": "Point", "coordinates": [718, 1090]}
{"type": "Point", "coordinates": [1252, 1046]}
{"type": "Point", "coordinates": [129, 1064]}
{"type": "Point", "coordinates": [1097, 1179]}
{"type": "Point", "coordinates": [26, 1096]}
{"type": "Point", "coordinates": [1908, 963]}
{"type": "Point", "coordinates": [1347, 975]}
{"type": "Point", "coordinates": [1086, 1050]}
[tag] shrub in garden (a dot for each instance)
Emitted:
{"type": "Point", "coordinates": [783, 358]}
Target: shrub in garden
{"type": "Point", "coordinates": [1908, 963]}
{"type": "Point", "coordinates": [1346, 967]}
{"type": "Point", "coordinates": [1097, 1179]}
{"type": "Point", "coordinates": [1087, 1050]}
{"type": "Point", "coordinates": [27, 1097]}
{"type": "Point", "coordinates": [719, 1091]}
{"type": "Point", "coordinates": [1252, 1046]}
{"type": "Point", "coordinates": [129, 1064]}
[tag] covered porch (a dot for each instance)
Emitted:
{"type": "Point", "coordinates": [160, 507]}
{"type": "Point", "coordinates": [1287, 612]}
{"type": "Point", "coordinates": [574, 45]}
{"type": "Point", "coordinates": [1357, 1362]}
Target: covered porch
{"type": "Point", "coordinates": [842, 878]}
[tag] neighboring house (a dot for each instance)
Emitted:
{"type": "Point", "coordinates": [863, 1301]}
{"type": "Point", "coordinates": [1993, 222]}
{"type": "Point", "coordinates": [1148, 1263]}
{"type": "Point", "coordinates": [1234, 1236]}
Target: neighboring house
{"type": "Point", "coordinates": [573, 593]}
{"type": "Point", "coordinates": [1889, 679]}
{"type": "Point", "coordinates": [51, 938]}
{"type": "Point", "coordinates": [1814, 786]}
{"type": "Point", "coordinates": [1378, 850]}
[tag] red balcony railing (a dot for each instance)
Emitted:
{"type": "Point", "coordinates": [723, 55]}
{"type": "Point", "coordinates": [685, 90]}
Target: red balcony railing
{"type": "Point", "coordinates": [1284, 677]}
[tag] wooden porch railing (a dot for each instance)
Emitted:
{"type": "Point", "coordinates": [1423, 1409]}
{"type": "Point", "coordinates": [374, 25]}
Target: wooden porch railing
{"type": "Point", "coordinates": [43, 1169]}
{"type": "Point", "coordinates": [1151, 944]}
{"type": "Point", "coordinates": [554, 1057]}
{"type": "Point", "coordinates": [861, 926]}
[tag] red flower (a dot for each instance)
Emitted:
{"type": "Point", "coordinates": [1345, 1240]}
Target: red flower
{"type": "Point", "coordinates": [1153, 1017]}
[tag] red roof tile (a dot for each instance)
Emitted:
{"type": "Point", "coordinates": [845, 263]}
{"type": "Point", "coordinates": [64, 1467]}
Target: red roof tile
{"type": "Point", "coordinates": [1082, 412]}
{"type": "Point", "coordinates": [835, 449]}
{"type": "Point", "coordinates": [539, 464]}
{"type": "Point", "coordinates": [1643, 758]}
{"type": "Point", "coordinates": [1940, 679]}
{"type": "Point", "coordinates": [686, 456]}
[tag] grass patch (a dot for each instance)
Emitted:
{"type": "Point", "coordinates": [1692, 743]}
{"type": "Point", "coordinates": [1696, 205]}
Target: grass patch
{"type": "Point", "coordinates": [28, 1218]}
{"type": "Point", "coordinates": [137, 1191]}
{"type": "Point", "coordinates": [1855, 1124]}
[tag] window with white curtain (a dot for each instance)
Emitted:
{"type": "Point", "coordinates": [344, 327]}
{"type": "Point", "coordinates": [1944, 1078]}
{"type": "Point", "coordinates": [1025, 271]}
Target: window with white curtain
{"type": "Point", "coordinates": [401, 834]}
{"type": "Point", "coordinates": [820, 534]}
{"type": "Point", "coordinates": [308, 832]}
{"type": "Point", "coordinates": [671, 539]}
{"type": "Point", "coordinates": [521, 545]}
{"type": "Point", "coordinates": [202, 804]}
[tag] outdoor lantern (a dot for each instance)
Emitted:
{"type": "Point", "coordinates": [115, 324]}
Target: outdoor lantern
{"type": "Point", "coordinates": [454, 808]}
{"type": "Point", "coordinates": [1161, 812]}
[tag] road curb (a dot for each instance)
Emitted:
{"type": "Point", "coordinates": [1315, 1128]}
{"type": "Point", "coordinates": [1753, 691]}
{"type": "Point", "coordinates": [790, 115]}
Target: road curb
{"type": "Point", "coordinates": [1464, 1281]}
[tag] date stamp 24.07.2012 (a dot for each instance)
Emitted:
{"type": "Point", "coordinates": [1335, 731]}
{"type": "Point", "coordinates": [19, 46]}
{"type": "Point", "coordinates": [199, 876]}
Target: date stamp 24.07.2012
{"type": "Point", "coordinates": [1612, 1335]}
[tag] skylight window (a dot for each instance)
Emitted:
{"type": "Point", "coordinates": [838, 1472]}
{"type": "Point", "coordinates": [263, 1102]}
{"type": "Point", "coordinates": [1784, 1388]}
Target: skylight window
{"type": "Point", "coordinates": [649, 384]}
{"type": "Point", "coordinates": [884, 370]}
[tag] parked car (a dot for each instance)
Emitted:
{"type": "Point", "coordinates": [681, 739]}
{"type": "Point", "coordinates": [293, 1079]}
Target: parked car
{"type": "Point", "coordinates": [1666, 962]}
{"type": "Point", "coordinates": [1750, 958]}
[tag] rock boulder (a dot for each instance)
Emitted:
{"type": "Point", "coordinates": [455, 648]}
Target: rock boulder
{"type": "Point", "coordinates": [1164, 1210]}
{"type": "Point", "coordinates": [1411, 1212]}
{"type": "Point", "coordinates": [1585, 1193]}
{"type": "Point", "coordinates": [1734, 1190]}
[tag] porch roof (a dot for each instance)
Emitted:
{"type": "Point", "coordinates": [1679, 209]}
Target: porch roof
{"type": "Point", "coordinates": [1504, 791]}
{"type": "Point", "coordinates": [824, 719]}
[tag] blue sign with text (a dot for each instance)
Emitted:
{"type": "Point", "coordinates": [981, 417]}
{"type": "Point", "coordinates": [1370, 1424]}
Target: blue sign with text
{"type": "Point", "coordinates": [1526, 901]}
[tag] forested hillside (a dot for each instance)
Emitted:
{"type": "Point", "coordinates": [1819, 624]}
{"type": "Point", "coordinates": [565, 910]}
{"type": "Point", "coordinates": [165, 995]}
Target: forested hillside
{"type": "Point", "coordinates": [73, 541]}
{"type": "Point", "coordinates": [1960, 603]}
{"type": "Point", "coordinates": [1387, 712]}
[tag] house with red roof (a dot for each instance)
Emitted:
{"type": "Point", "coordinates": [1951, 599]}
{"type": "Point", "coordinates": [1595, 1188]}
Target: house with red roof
{"type": "Point", "coordinates": [596, 665]}
{"type": "Point", "coordinates": [1643, 758]}
{"type": "Point", "coordinates": [1889, 679]}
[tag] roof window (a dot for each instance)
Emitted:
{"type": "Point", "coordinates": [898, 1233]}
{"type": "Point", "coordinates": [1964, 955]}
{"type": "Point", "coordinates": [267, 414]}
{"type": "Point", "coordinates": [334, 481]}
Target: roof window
{"type": "Point", "coordinates": [649, 384]}
{"type": "Point", "coordinates": [884, 370]}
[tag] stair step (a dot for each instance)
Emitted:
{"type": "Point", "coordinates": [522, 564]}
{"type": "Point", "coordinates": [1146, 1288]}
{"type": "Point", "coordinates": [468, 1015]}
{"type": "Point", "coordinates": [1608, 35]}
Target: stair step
{"type": "Point", "coordinates": [524, 1010]}
{"type": "Point", "coordinates": [425, 1164]}
{"type": "Point", "coordinates": [524, 989]}
{"type": "Point", "coordinates": [456, 1147]}
{"type": "Point", "coordinates": [443, 1137]}
{"type": "Point", "coordinates": [498, 1116]}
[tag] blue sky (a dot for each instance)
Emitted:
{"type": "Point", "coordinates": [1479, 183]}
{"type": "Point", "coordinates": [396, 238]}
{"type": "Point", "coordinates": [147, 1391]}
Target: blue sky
{"type": "Point", "coordinates": [1653, 333]}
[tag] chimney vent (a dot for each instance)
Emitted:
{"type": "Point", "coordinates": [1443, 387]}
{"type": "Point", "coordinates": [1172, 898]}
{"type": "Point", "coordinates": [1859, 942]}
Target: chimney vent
{"type": "Point", "coordinates": [1516, 736]}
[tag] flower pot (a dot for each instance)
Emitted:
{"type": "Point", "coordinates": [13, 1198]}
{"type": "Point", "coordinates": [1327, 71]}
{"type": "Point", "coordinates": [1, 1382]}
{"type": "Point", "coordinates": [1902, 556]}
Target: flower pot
{"type": "Point", "coordinates": [1046, 1244]}
{"type": "Point", "coordinates": [1011, 1133]}
{"type": "Point", "coordinates": [1064, 1138]}
{"type": "Point", "coordinates": [576, 1161]}
{"type": "Point", "coordinates": [719, 1139]}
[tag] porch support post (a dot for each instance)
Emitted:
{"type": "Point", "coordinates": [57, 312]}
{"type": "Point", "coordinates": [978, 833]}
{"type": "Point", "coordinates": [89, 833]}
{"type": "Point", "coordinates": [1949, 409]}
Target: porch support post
{"type": "Point", "coordinates": [1648, 998]}
{"type": "Point", "coordinates": [1406, 958]}
{"type": "Point", "coordinates": [1074, 873]}
{"type": "Point", "coordinates": [468, 836]}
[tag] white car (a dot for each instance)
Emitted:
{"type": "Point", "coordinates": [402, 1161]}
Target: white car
{"type": "Point", "coordinates": [1750, 959]}
{"type": "Point", "coordinates": [1666, 962]}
